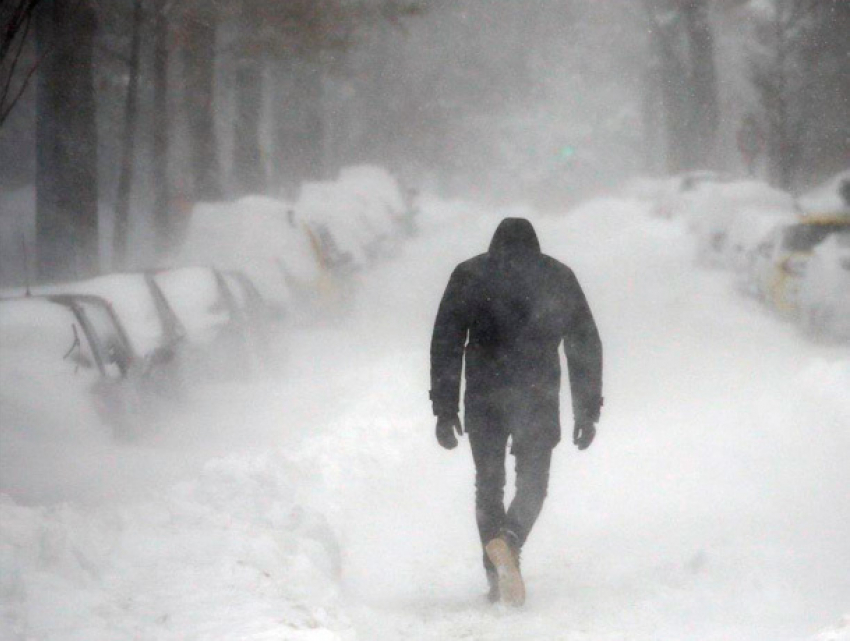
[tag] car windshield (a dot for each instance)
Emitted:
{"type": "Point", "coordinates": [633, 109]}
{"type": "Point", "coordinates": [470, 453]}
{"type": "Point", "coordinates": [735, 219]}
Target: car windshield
{"type": "Point", "coordinates": [116, 352]}
{"type": "Point", "coordinates": [805, 236]}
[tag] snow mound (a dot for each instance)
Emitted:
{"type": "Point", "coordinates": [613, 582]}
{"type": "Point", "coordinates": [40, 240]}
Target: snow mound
{"type": "Point", "coordinates": [236, 533]}
{"type": "Point", "coordinates": [840, 632]}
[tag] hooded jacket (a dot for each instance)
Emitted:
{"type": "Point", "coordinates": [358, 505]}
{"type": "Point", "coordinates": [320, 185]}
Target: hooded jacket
{"type": "Point", "coordinates": [507, 311]}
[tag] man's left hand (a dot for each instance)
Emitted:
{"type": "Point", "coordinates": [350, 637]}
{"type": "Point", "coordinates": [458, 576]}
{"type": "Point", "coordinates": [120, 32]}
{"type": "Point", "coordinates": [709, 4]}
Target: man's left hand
{"type": "Point", "coordinates": [583, 434]}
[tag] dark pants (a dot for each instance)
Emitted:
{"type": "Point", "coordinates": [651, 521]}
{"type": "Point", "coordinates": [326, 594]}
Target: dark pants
{"type": "Point", "coordinates": [532, 480]}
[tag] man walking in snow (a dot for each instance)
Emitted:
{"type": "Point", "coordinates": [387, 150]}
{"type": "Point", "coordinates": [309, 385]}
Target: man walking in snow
{"type": "Point", "coordinates": [507, 312]}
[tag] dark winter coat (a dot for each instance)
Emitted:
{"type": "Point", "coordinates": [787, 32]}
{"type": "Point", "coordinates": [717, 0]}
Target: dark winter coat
{"type": "Point", "coordinates": [508, 310]}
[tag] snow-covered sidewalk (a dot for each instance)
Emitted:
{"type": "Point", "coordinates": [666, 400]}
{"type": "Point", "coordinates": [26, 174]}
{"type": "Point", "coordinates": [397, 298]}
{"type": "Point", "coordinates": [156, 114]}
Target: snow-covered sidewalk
{"type": "Point", "coordinates": [713, 504]}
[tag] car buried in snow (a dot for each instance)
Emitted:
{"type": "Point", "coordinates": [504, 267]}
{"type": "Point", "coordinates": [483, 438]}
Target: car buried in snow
{"type": "Point", "coordinates": [824, 296]}
{"type": "Point", "coordinates": [215, 344]}
{"type": "Point", "coordinates": [252, 314]}
{"type": "Point", "coordinates": [153, 329]}
{"type": "Point", "coordinates": [735, 207]}
{"type": "Point", "coordinates": [750, 239]}
{"type": "Point", "coordinates": [266, 239]}
{"type": "Point", "coordinates": [790, 255]}
{"type": "Point", "coordinates": [225, 318]}
{"type": "Point", "coordinates": [674, 196]}
{"type": "Point", "coordinates": [67, 365]}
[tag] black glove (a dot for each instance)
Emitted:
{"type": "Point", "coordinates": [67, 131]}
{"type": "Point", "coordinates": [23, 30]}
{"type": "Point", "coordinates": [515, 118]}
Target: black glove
{"type": "Point", "coordinates": [446, 426]}
{"type": "Point", "coordinates": [583, 433]}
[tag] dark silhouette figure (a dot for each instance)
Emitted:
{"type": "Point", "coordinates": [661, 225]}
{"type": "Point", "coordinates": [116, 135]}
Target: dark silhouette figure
{"type": "Point", "coordinates": [507, 311]}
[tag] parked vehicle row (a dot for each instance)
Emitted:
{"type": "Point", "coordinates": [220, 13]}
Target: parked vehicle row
{"type": "Point", "coordinates": [794, 255]}
{"type": "Point", "coordinates": [121, 348]}
{"type": "Point", "coordinates": [329, 232]}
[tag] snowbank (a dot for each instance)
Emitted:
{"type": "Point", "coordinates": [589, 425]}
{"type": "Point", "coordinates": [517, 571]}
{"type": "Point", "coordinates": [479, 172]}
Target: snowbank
{"type": "Point", "coordinates": [231, 555]}
{"type": "Point", "coordinates": [839, 632]}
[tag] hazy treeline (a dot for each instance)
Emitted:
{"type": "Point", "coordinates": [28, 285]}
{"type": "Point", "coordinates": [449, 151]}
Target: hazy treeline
{"type": "Point", "coordinates": [127, 112]}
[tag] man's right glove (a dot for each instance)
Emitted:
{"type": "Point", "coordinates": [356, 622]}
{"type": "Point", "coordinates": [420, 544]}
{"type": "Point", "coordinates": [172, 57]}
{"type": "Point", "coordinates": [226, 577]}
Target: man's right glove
{"type": "Point", "coordinates": [583, 433]}
{"type": "Point", "coordinates": [446, 427]}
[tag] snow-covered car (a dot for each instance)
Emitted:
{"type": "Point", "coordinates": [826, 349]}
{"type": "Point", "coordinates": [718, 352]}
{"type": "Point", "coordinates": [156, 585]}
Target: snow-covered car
{"type": "Point", "coordinates": [824, 296]}
{"type": "Point", "coordinates": [747, 235]}
{"type": "Point", "coordinates": [790, 256]}
{"type": "Point", "coordinates": [747, 231]}
{"type": "Point", "coordinates": [153, 329]}
{"type": "Point", "coordinates": [262, 238]}
{"type": "Point", "coordinates": [831, 198]}
{"type": "Point", "coordinates": [252, 315]}
{"type": "Point", "coordinates": [382, 199]}
{"type": "Point", "coordinates": [760, 268]}
{"type": "Point", "coordinates": [672, 196]}
{"type": "Point", "coordinates": [152, 326]}
{"type": "Point", "coordinates": [339, 223]}
{"type": "Point", "coordinates": [66, 365]}
{"type": "Point", "coordinates": [713, 213]}
{"type": "Point", "coordinates": [216, 341]}
{"type": "Point", "coordinates": [247, 298]}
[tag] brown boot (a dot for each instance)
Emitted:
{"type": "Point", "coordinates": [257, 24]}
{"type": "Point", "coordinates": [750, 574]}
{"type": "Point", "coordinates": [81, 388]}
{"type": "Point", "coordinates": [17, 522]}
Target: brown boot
{"type": "Point", "coordinates": [505, 558]}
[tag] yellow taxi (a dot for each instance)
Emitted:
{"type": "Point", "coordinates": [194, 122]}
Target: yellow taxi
{"type": "Point", "coordinates": [791, 254]}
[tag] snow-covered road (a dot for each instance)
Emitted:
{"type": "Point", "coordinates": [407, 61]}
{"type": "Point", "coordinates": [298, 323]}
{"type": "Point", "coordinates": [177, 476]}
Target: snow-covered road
{"type": "Point", "coordinates": [713, 505]}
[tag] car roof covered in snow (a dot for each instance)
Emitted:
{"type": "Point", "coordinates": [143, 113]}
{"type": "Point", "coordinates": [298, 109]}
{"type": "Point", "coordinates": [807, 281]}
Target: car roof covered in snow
{"type": "Point", "coordinates": [36, 334]}
{"type": "Point", "coordinates": [194, 294]}
{"type": "Point", "coordinates": [133, 302]}
{"type": "Point", "coordinates": [373, 181]}
{"type": "Point", "coordinates": [258, 236]}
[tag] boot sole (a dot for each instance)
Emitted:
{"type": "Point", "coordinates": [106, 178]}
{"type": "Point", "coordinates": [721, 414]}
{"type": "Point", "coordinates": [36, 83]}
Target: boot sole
{"type": "Point", "coordinates": [511, 586]}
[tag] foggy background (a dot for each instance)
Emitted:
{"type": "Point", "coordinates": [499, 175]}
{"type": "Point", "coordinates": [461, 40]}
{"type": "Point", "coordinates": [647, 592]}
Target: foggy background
{"type": "Point", "coordinates": [540, 101]}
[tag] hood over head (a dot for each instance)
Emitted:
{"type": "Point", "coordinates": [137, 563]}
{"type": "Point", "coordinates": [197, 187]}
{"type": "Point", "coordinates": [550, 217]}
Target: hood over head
{"type": "Point", "coordinates": [514, 236]}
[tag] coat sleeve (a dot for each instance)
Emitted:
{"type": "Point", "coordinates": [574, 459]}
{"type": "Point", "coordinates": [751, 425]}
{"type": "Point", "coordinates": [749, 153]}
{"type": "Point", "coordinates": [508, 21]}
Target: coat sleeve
{"type": "Point", "coordinates": [583, 349]}
{"type": "Point", "coordinates": [447, 346]}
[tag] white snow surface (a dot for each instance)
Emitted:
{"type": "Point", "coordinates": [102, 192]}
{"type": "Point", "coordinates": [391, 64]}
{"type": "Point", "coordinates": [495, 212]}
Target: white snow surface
{"type": "Point", "coordinates": [256, 236]}
{"type": "Point", "coordinates": [317, 505]}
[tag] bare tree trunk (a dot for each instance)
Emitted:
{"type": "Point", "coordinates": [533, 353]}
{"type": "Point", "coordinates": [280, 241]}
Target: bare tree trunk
{"type": "Point", "coordinates": [674, 96]}
{"type": "Point", "coordinates": [703, 81]}
{"type": "Point", "coordinates": [248, 167]}
{"type": "Point", "coordinates": [66, 142]}
{"type": "Point", "coordinates": [313, 113]}
{"type": "Point", "coordinates": [199, 90]}
{"type": "Point", "coordinates": [652, 107]}
{"type": "Point", "coordinates": [248, 170]}
{"type": "Point", "coordinates": [300, 128]}
{"type": "Point", "coordinates": [162, 219]}
{"type": "Point", "coordinates": [16, 21]}
{"type": "Point", "coordinates": [285, 162]}
{"type": "Point", "coordinates": [121, 229]}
